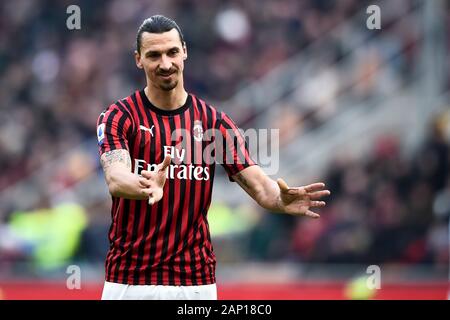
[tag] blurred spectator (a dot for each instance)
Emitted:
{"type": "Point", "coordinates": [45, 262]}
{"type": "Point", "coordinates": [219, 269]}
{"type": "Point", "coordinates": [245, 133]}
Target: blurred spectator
{"type": "Point", "coordinates": [47, 237]}
{"type": "Point", "coordinates": [382, 210]}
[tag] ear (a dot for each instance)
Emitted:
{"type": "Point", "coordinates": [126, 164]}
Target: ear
{"type": "Point", "coordinates": [185, 55]}
{"type": "Point", "coordinates": [137, 58]}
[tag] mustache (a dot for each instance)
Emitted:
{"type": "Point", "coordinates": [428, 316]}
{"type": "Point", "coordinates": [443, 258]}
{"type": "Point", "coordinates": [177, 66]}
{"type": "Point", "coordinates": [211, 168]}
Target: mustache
{"type": "Point", "coordinates": [166, 72]}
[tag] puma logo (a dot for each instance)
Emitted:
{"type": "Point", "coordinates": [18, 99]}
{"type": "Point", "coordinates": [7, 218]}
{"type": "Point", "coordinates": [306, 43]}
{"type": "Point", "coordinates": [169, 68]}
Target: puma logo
{"type": "Point", "coordinates": [147, 129]}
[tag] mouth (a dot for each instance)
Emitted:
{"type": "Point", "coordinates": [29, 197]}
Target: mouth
{"type": "Point", "coordinates": [166, 75]}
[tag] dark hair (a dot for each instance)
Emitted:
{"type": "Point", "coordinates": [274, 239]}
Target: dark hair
{"type": "Point", "coordinates": [157, 24]}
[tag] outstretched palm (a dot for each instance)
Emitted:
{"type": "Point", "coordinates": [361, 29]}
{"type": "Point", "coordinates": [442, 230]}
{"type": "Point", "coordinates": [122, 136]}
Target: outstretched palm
{"type": "Point", "coordinates": [299, 200]}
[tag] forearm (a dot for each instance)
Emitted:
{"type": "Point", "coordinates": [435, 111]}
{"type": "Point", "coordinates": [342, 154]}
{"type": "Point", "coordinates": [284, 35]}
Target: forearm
{"type": "Point", "coordinates": [126, 185]}
{"type": "Point", "coordinates": [277, 196]}
{"type": "Point", "coordinates": [268, 196]}
{"type": "Point", "coordinates": [260, 187]}
{"type": "Point", "coordinates": [121, 181]}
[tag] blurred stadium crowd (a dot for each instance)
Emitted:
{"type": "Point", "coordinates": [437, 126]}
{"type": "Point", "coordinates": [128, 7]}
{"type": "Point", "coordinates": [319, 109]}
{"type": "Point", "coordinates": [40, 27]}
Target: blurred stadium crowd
{"type": "Point", "coordinates": [386, 209]}
{"type": "Point", "coordinates": [54, 83]}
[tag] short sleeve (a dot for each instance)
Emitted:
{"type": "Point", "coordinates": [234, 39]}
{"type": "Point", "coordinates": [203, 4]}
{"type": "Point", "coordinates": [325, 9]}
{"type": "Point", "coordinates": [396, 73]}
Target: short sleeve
{"type": "Point", "coordinates": [114, 128]}
{"type": "Point", "coordinates": [235, 154]}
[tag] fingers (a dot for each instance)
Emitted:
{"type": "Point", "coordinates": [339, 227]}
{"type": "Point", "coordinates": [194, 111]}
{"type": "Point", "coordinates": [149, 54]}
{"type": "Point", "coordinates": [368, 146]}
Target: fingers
{"type": "Point", "coordinates": [296, 191]}
{"type": "Point", "coordinates": [315, 190]}
{"type": "Point", "coordinates": [319, 194]}
{"type": "Point", "coordinates": [317, 203]}
{"type": "Point", "coordinates": [311, 214]}
{"type": "Point", "coordinates": [283, 185]}
{"type": "Point", "coordinates": [166, 162]}
{"type": "Point", "coordinates": [152, 182]}
{"type": "Point", "coordinates": [147, 174]}
{"type": "Point", "coordinates": [145, 182]}
{"type": "Point", "coordinates": [155, 196]}
{"type": "Point", "coordinates": [315, 187]}
{"type": "Point", "coordinates": [147, 192]}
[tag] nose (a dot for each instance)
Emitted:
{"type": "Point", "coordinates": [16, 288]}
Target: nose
{"type": "Point", "coordinates": [165, 64]}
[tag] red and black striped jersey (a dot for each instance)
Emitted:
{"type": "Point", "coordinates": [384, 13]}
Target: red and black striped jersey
{"type": "Point", "coordinates": [168, 243]}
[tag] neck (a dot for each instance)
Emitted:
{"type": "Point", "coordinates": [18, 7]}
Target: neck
{"type": "Point", "coordinates": [166, 100]}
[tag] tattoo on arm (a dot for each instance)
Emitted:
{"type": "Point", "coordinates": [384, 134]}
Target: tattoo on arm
{"type": "Point", "coordinates": [114, 156]}
{"type": "Point", "coordinates": [242, 181]}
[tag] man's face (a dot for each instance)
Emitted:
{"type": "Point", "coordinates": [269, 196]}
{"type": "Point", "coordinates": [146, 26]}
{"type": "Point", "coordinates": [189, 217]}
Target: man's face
{"type": "Point", "coordinates": [162, 58]}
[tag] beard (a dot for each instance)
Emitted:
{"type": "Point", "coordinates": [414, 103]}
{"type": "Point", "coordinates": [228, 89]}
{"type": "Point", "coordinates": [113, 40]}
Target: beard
{"type": "Point", "coordinates": [168, 85]}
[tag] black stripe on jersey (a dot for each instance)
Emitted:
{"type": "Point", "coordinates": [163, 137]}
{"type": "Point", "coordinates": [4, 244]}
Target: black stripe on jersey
{"type": "Point", "coordinates": [160, 204]}
{"type": "Point", "coordinates": [209, 123]}
{"type": "Point", "coordinates": [202, 254]}
{"type": "Point", "coordinates": [137, 211]}
{"type": "Point", "coordinates": [112, 236]}
{"type": "Point", "coordinates": [200, 106]}
{"type": "Point", "coordinates": [209, 113]}
{"type": "Point", "coordinates": [108, 127]}
{"type": "Point", "coordinates": [191, 204]}
{"type": "Point", "coordinates": [212, 123]}
{"type": "Point", "coordinates": [132, 126]}
{"type": "Point", "coordinates": [176, 244]}
{"type": "Point", "coordinates": [235, 141]}
{"type": "Point", "coordinates": [211, 179]}
{"type": "Point", "coordinates": [123, 232]}
{"type": "Point", "coordinates": [172, 127]}
{"type": "Point", "coordinates": [209, 119]}
{"type": "Point", "coordinates": [202, 240]}
{"type": "Point", "coordinates": [120, 125]}
{"type": "Point", "coordinates": [141, 246]}
{"type": "Point", "coordinates": [100, 119]}
{"type": "Point", "coordinates": [209, 252]}
{"type": "Point", "coordinates": [169, 215]}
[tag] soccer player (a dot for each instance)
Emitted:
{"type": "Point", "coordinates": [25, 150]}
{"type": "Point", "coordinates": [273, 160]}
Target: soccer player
{"type": "Point", "coordinates": [152, 149]}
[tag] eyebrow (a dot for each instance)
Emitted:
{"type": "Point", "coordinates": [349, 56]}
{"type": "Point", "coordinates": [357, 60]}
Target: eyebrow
{"type": "Point", "coordinates": [151, 52]}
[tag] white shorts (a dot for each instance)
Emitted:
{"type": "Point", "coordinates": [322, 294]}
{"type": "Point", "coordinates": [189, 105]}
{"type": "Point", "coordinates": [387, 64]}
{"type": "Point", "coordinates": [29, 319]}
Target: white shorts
{"type": "Point", "coordinates": [118, 291]}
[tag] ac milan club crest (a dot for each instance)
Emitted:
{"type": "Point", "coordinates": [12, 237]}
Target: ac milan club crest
{"type": "Point", "coordinates": [198, 130]}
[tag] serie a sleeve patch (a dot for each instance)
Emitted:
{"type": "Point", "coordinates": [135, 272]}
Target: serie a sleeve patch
{"type": "Point", "coordinates": [101, 134]}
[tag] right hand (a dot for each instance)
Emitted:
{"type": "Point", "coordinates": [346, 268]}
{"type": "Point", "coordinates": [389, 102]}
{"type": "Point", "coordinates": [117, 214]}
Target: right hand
{"type": "Point", "coordinates": [298, 200]}
{"type": "Point", "coordinates": [153, 181]}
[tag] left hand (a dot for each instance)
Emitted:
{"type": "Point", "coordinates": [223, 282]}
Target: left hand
{"type": "Point", "coordinates": [298, 200]}
{"type": "Point", "coordinates": [157, 180]}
